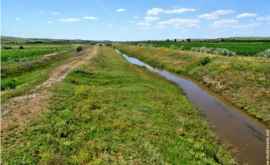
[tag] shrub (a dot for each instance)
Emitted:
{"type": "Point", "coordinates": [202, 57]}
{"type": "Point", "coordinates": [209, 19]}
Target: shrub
{"type": "Point", "coordinates": [21, 47]}
{"type": "Point", "coordinates": [181, 47]}
{"type": "Point", "coordinates": [224, 52]}
{"type": "Point", "coordinates": [9, 84]}
{"type": "Point", "coordinates": [173, 46]}
{"type": "Point", "coordinates": [108, 45]}
{"type": "Point", "coordinates": [79, 48]}
{"type": "Point", "coordinates": [265, 53]}
{"type": "Point", "coordinates": [7, 47]}
{"type": "Point", "coordinates": [202, 49]}
{"type": "Point", "coordinates": [205, 61]}
{"type": "Point", "coordinates": [221, 51]}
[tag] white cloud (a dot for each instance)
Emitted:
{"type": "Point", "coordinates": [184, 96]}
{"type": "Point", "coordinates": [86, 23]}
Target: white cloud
{"type": "Point", "coordinates": [89, 18]}
{"type": "Point", "coordinates": [180, 23]}
{"type": "Point", "coordinates": [246, 15]}
{"type": "Point", "coordinates": [154, 11]}
{"type": "Point", "coordinates": [151, 18]}
{"type": "Point", "coordinates": [216, 14]}
{"type": "Point", "coordinates": [77, 19]}
{"type": "Point", "coordinates": [120, 10]}
{"type": "Point", "coordinates": [179, 11]}
{"type": "Point", "coordinates": [144, 24]}
{"type": "Point", "coordinates": [225, 23]}
{"type": "Point", "coordinates": [71, 19]}
{"type": "Point", "coordinates": [49, 22]}
{"type": "Point", "coordinates": [157, 11]}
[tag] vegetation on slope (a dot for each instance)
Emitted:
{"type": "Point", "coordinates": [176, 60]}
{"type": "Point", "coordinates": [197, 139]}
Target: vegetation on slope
{"type": "Point", "coordinates": [111, 112]}
{"type": "Point", "coordinates": [243, 81]}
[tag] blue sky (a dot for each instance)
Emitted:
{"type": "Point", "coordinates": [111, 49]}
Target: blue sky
{"type": "Point", "coordinates": [135, 20]}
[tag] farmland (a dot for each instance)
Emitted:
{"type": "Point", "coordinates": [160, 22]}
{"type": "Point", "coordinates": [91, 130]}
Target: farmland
{"type": "Point", "coordinates": [25, 66]}
{"type": "Point", "coordinates": [108, 111]}
{"type": "Point", "coordinates": [245, 48]}
{"type": "Point", "coordinates": [113, 106]}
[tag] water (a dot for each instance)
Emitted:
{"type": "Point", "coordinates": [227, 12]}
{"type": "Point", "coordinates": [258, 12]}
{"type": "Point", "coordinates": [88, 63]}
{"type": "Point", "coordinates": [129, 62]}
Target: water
{"type": "Point", "coordinates": [245, 134]}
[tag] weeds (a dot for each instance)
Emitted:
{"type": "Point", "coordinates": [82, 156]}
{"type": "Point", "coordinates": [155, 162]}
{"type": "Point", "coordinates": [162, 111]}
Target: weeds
{"type": "Point", "coordinates": [115, 113]}
{"type": "Point", "coordinates": [218, 51]}
{"type": "Point", "coordinates": [265, 53]}
{"type": "Point", "coordinates": [24, 67]}
{"type": "Point", "coordinates": [245, 80]}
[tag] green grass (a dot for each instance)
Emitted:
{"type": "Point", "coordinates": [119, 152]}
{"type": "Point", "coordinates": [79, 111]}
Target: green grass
{"type": "Point", "coordinates": [30, 52]}
{"type": "Point", "coordinates": [23, 69]}
{"type": "Point", "coordinates": [111, 112]}
{"type": "Point", "coordinates": [240, 48]}
{"type": "Point", "coordinates": [243, 81]}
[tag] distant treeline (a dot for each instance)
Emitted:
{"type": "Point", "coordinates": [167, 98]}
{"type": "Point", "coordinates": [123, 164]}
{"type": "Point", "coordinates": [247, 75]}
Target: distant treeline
{"type": "Point", "coordinates": [199, 40]}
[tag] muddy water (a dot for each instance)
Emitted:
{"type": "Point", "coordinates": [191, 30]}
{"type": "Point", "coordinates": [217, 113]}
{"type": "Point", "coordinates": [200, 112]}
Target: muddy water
{"type": "Point", "coordinates": [233, 127]}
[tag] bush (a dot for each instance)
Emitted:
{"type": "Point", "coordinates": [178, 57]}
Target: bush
{"type": "Point", "coordinates": [79, 48]}
{"type": "Point", "coordinates": [224, 52]}
{"type": "Point", "coordinates": [265, 53]}
{"type": "Point", "coordinates": [202, 49]}
{"type": "Point", "coordinates": [21, 47]}
{"type": "Point", "coordinates": [7, 47]}
{"type": "Point", "coordinates": [221, 51]}
{"type": "Point", "coordinates": [205, 61]}
{"type": "Point", "coordinates": [10, 84]}
{"type": "Point", "coordinates": [108, 45]}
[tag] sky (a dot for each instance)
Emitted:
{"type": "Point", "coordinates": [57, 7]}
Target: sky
{"type": "Point", "coordinates": [123, 20]}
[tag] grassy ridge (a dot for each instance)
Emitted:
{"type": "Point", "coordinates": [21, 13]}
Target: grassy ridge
{"type": "Point", "coordinates": [240, 48]}
{"type": "Point", "coordinates": [243, 81]}
{"type": "Point", "coordinates": [111, 112]}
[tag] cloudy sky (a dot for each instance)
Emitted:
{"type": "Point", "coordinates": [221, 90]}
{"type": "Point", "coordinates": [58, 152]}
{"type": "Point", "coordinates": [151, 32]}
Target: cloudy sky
{"type": "Point", "coordinates": [135, 20]}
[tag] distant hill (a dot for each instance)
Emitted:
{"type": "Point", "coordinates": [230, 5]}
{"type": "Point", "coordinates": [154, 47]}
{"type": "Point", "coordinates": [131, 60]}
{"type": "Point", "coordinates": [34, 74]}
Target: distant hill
{"type": "Point", "coordinates": [20, 40]}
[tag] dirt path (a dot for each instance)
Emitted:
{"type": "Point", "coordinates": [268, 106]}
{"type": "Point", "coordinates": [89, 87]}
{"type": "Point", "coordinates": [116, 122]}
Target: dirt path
{"type": "Point", "coordinates": [18, 110]}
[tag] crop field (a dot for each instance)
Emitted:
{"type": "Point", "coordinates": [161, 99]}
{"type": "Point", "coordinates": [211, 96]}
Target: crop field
{"type": "Point", "coordinates": [29, 52]}
{"type": "Point", "coordinates": [243, 81]}
{"type": "Point", "coordinates": [22, 68]}
{"type": "Point", "coordinates": [108, 111]}
{"type": "Point", "coordinates": [246, 48]}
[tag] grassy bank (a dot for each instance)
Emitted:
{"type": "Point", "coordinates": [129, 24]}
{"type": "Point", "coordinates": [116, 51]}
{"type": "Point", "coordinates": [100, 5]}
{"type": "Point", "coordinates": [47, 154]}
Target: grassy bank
{"type": "Point", "coordinates": [22, 69]}
{"type": "Point", "coordinates": [243, 81]}
{"type": "Point", "coordinates": [111, 112]}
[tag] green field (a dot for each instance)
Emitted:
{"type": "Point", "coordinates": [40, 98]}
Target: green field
{"type": "Point", "coordinates": [246, 48]}
{"type": "Point", "coordinates": [29, 52]}
{"type": "Point", "coordinates": [111, 112]}
{"type": "Point", "coordinates": [21, 69]}
{"type": "Point", "coordinates": [243, 81]}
